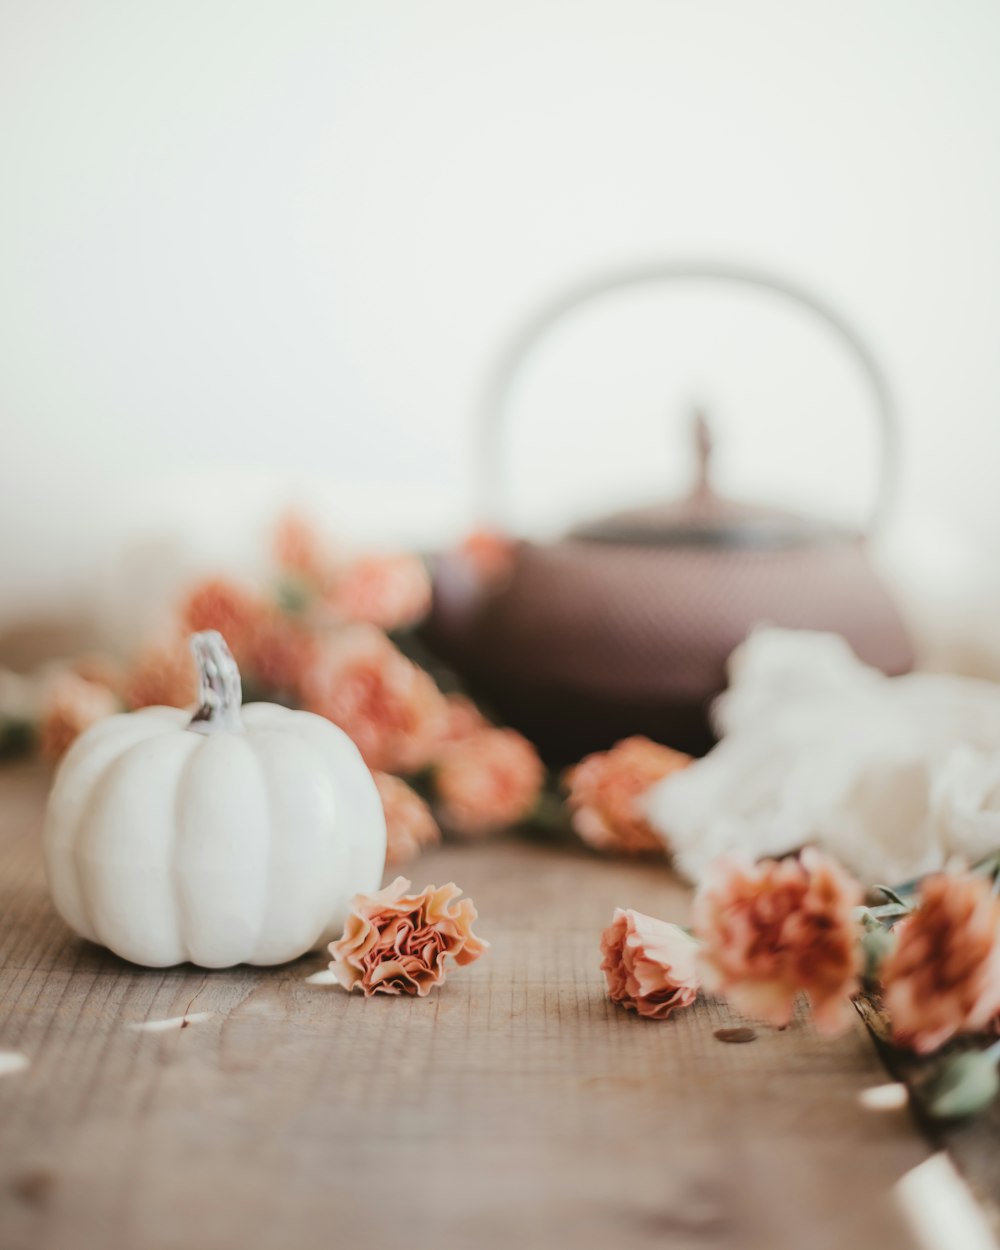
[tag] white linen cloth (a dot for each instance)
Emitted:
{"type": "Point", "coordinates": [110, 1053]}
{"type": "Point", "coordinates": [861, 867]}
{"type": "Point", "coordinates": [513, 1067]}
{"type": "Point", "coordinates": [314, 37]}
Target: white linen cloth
{"type": "Point", "coordinates": [893, 776]}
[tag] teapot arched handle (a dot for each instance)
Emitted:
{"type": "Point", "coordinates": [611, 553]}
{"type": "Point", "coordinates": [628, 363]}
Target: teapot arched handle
{"type": "Point", "coordinates": [552, 311]}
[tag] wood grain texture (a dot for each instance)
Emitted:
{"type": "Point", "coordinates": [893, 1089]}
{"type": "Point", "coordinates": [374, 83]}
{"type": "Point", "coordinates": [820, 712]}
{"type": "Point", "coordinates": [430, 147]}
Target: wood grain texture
{"type": "Point", "coordinates": [517, 1108]}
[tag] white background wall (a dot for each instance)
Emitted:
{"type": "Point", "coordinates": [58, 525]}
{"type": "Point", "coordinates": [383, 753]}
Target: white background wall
{"type": "Point", "coordinates": [252, 251]}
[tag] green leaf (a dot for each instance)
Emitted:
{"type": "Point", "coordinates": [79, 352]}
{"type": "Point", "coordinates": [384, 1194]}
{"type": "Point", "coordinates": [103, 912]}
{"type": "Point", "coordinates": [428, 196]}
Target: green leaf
{"type": "Point", "coordinates": [294, 596]}
{"type": "Point", "coordinates": [966, 1085]}
{"type": "Point", "coordinates": [876, 945]}
{"type": "Point", "coordinates": [891, 895]}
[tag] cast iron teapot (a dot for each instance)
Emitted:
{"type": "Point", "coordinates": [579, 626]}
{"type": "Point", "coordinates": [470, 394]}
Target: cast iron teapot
{"type": "Point", "coordinates": [625, 625]}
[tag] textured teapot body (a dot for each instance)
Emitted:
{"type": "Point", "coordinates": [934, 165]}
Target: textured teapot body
{"type": "Point", "coordinates": [625, 627]}
{"type": "Point", "coordinates": [586, 642]}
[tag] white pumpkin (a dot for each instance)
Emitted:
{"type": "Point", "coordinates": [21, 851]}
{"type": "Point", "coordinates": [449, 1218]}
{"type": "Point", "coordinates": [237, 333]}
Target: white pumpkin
{"type": "Point", "coordinates": [238, 836]}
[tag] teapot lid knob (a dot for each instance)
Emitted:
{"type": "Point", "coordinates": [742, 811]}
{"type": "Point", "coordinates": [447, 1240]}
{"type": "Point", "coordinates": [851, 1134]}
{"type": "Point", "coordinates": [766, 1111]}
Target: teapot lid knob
{"type": "Point", "coordinates": [704, 444]}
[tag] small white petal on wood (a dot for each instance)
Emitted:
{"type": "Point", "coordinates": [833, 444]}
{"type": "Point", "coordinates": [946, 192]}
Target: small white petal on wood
{"type": "Point", "coordinates": [884, 1097]}
{"type": "Point", "coordinates": [323, 977]}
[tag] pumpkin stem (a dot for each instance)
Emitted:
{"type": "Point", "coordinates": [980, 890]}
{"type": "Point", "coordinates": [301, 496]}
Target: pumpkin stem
{"type": "Point", "coordinates": [220, 692]}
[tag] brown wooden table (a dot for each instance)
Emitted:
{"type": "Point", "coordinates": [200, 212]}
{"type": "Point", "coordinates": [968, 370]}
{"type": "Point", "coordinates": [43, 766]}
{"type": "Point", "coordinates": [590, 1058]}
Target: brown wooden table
{"type": "Point", "coordinates": [516, 1108]}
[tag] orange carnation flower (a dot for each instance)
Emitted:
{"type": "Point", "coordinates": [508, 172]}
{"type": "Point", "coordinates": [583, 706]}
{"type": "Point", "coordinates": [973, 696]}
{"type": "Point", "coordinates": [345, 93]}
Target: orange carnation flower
{"type": "Point", "coordinates": [650, 965]}
{"type": "Point", "coordinates": [410, 827]}
{"type": "Point", "coordinates": [162, 675]}
{"type": "Point", "coordinates": [390, 708]}
{"type": "Point", "coordinates": [490, 554]}
{"type": "Point", "coordinates": [487, 781]}
{"type": "Point", "coordinates": [777, 928]}
{"type": "Point", "coordinates": [392, 592]}
{"type": "Point", "coordinates": [300, 550]}
{"type": "Point", "coordinates": [71, 704]}
{"type": "Point", "coordinates": [398, 943]}
{"type": "Point", "coordinates": [605, 790]}
{"type": "Point", "coordinates": [943, 977]}
{"type": "Point", "coordinates": [234, 609]}
{"type": "Point", "coordinates": [462, 719]}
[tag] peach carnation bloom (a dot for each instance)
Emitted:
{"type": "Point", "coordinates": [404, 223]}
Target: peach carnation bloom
{"type": "Point", "coordinates": [237, 611]}
{"type": "Point", "coordinates": [273, 651]}
{"type": "Point", "coordinates": [162, 675]}
{"type": "Point", "coordinates": [772, 929]}
{"type": "Point", "coordinates": [390, 708]}
{"type": "Point", "coordinates": [99, 668]}
{"type": "Point", "coordinates": [487, 781]}
{"type": "Point", "coordinates": [943, 977]}
{"type": "Point", "coordinates": [489, 554]}
{"type": "Point", "coordinates": [299, 549]}
{"type": "Point", "coordinates": [397, 943]}
{"type": "Point", "coordinates": [392, 592]}
{"type": "Point", "coordinates": [462, 719]}
{"type": "Point", "coordinates": [650, 966]}
{"type": "Point", "coordinates": [605, 790]}
{"type": "Point", "coordinates": [280, 653]}
{"type": "Point", "coordinates": [410, 827]}
{"type": "Point", "coordinates": [71, 704]}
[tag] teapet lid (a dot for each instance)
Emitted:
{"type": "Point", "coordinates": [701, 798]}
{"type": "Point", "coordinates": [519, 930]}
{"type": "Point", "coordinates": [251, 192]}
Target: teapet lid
{"type": "Point", "coordinates": [707, 519]}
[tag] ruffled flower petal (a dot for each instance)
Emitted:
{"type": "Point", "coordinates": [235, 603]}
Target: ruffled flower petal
{"type": "Point", "coordinates": [774, 929]}
{"type": "Point", "coordinates": [649, 965]}
{"type": "Point", "coordinates": [605, 791]}
{"type": "Point", "coordinates": [943, 977]}
{"type": "Point", "coordinates": [396, 942]}
{"type": "Point", "coordinates": [489, 780]}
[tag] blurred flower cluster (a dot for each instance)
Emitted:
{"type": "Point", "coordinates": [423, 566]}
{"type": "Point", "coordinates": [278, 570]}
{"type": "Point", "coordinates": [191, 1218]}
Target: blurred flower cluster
{"type": "Point", "coordinates": [763, 934]}
{"type": "Point", "coordinates": [336, 633]}
{"type": "Point", "coordinates": [767, 933]}
{"type": "Point", "coordinates": [332, 633]}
